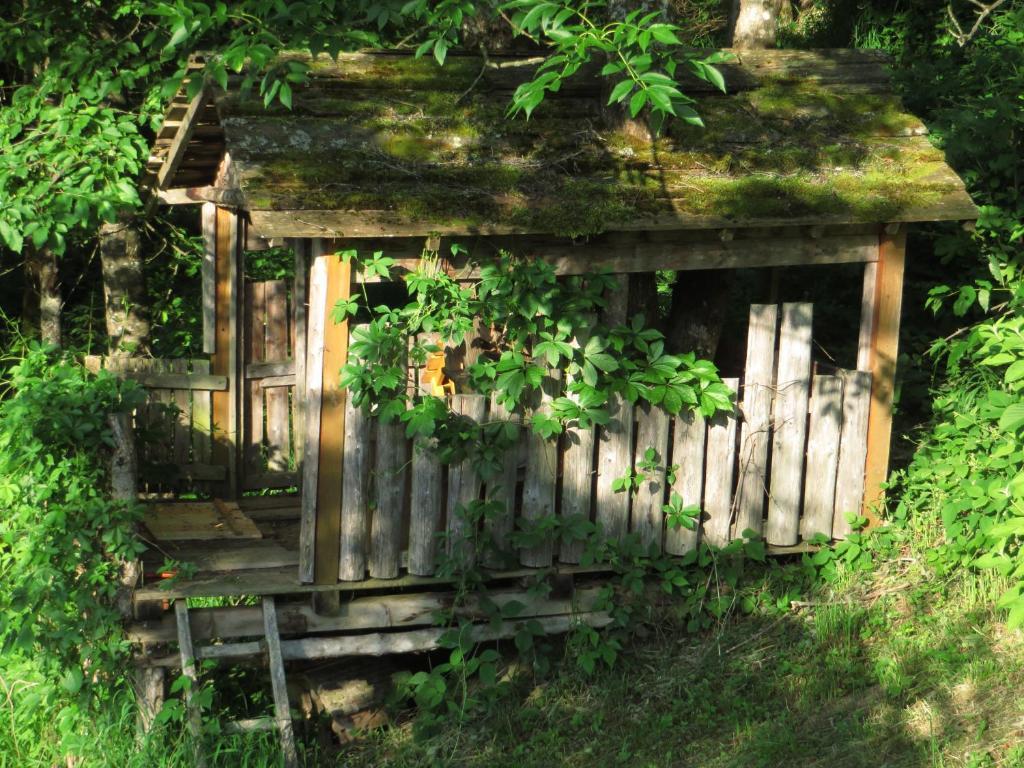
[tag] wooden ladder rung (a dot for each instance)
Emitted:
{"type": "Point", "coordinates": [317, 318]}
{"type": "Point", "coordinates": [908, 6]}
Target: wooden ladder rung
{"type": "Point", "coordinates": [282, 719]}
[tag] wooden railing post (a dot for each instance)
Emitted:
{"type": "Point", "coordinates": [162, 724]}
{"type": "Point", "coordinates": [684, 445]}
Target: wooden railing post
{"type": "Point", "coordinates": [879, 348]}
{"type": "Point", "coordinates": [226, 357]}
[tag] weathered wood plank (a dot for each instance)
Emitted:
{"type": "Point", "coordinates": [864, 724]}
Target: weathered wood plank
{"type": "Point", "coordinates": [355, 493]}
{"type": "Point", "coordinates": [208, 277]}
{"type": "Point", "coordinates": [224, 361]}
{"type": "Point", "coordinates": [688, 444]}
{"type": "Point", "coordinates": [198, 521]}
{"type": "Point", "coordinates": [464, 486]}
{"type": "Point", "coordinates": [300, 300]}
{"type": "Point", "coordinates": [867, 316]}
{"type": "Point", "coordinates": [389, 483]}
{"type": "Point", "coordinates": [853, 448]}
{"type": "Point", "coordinates": [651, 435]}
{"type": "Point", "coordinates": [195, 382]}
{"type": "Point", "coordinates": [720, 470]}
{"type": "Point", "coordinates": [425, 510]}
{"type": "Point", "coordinates": [311, 432]}
{"type": "Point", "coordinates": [615, 439]}
{"type": "Point", "coordinates": [887, 303]}
{"type": "Point", "coordinates": [183, 417]}
{"type": "Point", "coordinates": [332, 422]}
{"type": "Point", "coordinates": [577, 474]}
{"type": "Point", "coordinates": [201, 417]}
{"type": "Point", "coordinates": [188, 669]}
{"type": "Point", "coordinates": [752, 486]}
{"type": "Point", "coordinates": [279, 687]}
{"type": "Point", "coordinates": [500, 524]}
{"type": "Point", "coordinates": [383, 644]}
{"type": "Point", "coordinates": [268, 369]}
{"type": "Point", "coordinates": [387, 611]}
{"type": "Point", "coordinates": [176, 152]}
{"type": "Point", "coordinates": [277, 405]}
{"type": "Point", "coordinates": [540, 481]}
{"type": "Point", "coordinates": [255, 331]}
{"type": "Point", "coordinates": [822, 456]}
{"type": "Point", "coordinates": [790, 424]}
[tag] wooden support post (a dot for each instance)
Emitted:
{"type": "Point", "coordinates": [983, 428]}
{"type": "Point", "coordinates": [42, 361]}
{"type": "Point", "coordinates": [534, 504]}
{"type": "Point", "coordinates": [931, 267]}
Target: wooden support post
{"type": "Point", "coordinates": [225, 359]}
{"type": "Point", "coordinates": [332, 422]}
{"type": "Point", "coordinates": [208, 272]}
{"type": "Point", "coordinates": [282, 713]}
{"type": "Point", "coordinates": [885, 308]}
{"type": "Point", "coordinates": [188, 669]}
{"type": "Point", "coordinates": [300, 300]}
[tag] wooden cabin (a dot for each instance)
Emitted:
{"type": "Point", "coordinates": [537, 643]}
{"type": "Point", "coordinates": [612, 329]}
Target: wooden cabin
{"type": "Point", "coordinates": [810, 162]}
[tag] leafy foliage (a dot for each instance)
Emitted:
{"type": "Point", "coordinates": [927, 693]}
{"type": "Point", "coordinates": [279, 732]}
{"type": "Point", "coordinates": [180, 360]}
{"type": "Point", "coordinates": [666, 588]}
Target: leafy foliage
{"type": "Point", "coordinates": [62, 540]}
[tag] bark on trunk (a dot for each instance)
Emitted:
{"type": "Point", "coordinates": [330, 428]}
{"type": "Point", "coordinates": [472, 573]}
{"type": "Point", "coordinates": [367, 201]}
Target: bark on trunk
{"type": "Point", "coordinates": [44, 279]}
{"type": "Point", "coordinates": [124, 289]}
{"type": "Point", "coordinates": [755, 23]}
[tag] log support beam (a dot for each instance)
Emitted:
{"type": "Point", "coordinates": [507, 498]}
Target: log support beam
{"type": "Point", "coordinates": [879, 347]}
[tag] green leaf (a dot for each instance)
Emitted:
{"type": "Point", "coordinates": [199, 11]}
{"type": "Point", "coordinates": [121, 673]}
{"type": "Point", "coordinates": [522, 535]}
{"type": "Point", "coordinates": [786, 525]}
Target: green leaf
{"type": "Point", "coordinates": [1015, 372]}
{"type": "Point", "coordinates": [1012, 418]}
{"type": "Point", "coordinates": [621, 91]}
{"type": "Point", "coordinates": [637, 103]}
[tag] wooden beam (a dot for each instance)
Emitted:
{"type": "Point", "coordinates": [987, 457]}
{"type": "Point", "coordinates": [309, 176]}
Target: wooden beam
{"type": "Point", "coordinates": [332, 422]}
{"type": "Point", "coordinates": [379, 612]}
{"type": "Point", "coordinates": [886, 306]}
{"type": "Point", "coordinates": [224, 361]}
{"type": "Point", "coordinates": [279, 687]}
{"type": "Point", "coordinates": [208, 275]}
{"type": "Point", "coordinates": [187, 662]}
{"type": "Point", "coordinates": [314, 400]}
{"type": "Point", "coordinates": [199, 382]}
{"type": "Point", "coordinates": [176, 153]}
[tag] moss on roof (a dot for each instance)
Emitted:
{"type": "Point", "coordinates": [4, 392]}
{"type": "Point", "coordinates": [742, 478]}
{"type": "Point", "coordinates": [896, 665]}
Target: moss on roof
{"type": "Point", "coordinates": [423, 149]}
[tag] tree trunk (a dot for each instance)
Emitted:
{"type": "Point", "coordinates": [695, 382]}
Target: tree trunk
{"type": "Point", "coordinates": [124, 289]}
{"type": "Point", "coordinates": [44, 285]}
{"type": "Point", "coordinates": [755, 23]}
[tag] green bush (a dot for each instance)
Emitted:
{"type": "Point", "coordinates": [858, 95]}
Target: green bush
{"type": "Point", "coordinates": [62, 540]}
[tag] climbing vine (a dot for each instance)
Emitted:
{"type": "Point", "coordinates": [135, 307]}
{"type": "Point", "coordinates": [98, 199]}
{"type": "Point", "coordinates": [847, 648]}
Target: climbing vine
{"type": "Point", "coordinates": [539, 346]}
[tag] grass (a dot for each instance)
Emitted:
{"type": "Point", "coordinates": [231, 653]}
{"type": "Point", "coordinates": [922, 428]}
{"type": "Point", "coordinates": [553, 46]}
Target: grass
{"type": "Point", "coordinates": [890, 667]}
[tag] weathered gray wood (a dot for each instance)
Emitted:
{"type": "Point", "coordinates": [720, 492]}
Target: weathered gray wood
{"type": "Point", "coordinates": [720, 470]}
{"type": "Point", "coordinates": [615, 439]}
{"type": "Point", "coordinates": [822, 455]}
{"type": "Point", "coordinates": [208, 277]}
{"type": "Point", "coordinates": [188, 381]}
{"type": "Point", "coordinates": [688, 443]}
{"type": "Point", "coordinates": [867, 316]}
{"type": "Point", "coordinates": [148, 687]}
{"type": "Point", "coordinates": [254, 327]}
{"type": "Point", "coordinates": [277, 382]}
{"type": "Point", "coordinates": [300, 300]}
{"type": "Point", "coordinates": [376, 612]}
{"type": "Point", "coordinates": [176, 151]}
{"type": "Point", "coordinates": [266, 369]}
{"type": "Point", "coordinates": [752, 486]}
{"type": "Point", "coordinates": [464, 486]}
{"type": "Point", "coordinates": [382, 644]}
{"type": "Point", "coordinates": [648, 515]}
{"type": "Point", "coordinates": [188, 669]}
{"type": "Point", "coordinates": [853, 449]}
{"type": "Point", "coordinates": [355, 499]}
{"type": "Point", "coordinates": [389, 483]}
{"type": "Point", "coordinates": [425, 510]}
{"type": "Point", "coordinates": [614, 450]}
{"type": "Point", "coordinates": [278, 435]}
{"type": "Point", "coordinates": [577, 475]}
{"type": "Point", "coordinates": [790, 424]}
{"type": "Point", "coordinates": [311, 432]}
{"type": "Point", "coordinates": [282, 713]}
{"type": "Point", "coordinates": [540, 482]}
{"type": "Point", "coordinates": [500, 524]}
{"type": "Point", "coordinates": [202, 426]}
{"type": "Point", "coordinates": [183, 417]}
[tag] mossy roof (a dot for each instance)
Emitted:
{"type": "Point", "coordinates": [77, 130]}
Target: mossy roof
{"type": "Point", "coordinates": [384, 144]}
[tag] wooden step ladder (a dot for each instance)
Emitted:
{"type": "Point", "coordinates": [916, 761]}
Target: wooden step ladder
{"type": "Point", "coordinates": [282, 719]}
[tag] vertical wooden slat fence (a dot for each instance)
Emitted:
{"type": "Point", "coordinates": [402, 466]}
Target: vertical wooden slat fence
{"type": "Point", "coordinates": [789, 460]}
